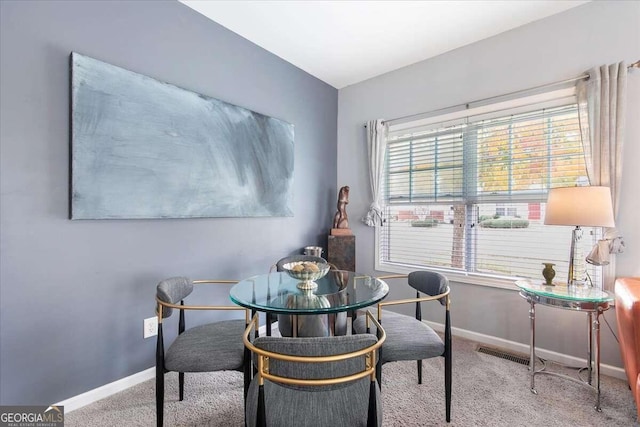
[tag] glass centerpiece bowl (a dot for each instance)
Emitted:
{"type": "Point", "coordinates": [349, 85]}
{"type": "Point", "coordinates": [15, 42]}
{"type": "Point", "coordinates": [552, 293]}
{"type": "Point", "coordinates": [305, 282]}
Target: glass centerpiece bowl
{"type": "Point", "coordinates": [307, 272]}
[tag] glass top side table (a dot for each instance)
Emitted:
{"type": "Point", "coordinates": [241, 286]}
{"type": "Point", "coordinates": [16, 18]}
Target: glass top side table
{"type": "Point", "coordinates": [586, 299]}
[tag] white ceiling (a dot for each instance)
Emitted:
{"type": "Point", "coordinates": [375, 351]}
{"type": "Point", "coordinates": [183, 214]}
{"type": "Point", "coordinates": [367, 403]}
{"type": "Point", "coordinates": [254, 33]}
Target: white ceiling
{"type": "Point", "coordinates": [346, 42]}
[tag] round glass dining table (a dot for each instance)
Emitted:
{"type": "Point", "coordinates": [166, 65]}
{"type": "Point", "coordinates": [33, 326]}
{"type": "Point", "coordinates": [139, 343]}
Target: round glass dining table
{"type": "Point", "coordinates": [318, 312]}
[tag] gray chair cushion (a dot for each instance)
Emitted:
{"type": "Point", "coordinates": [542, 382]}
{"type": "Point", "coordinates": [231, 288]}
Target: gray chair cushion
{"type": "Point", "coordinates": [173, 290]}
{"type": "Point", "coordinates": [429, 282]}
{"type": "Point", "coordinates": [305, 406]}
{"type": "Point", "coordinates": [407, 338]}
{"type": "Point", "coordinates": [286, 407]}
{"type": "Point", "coordinates": [206, 348]}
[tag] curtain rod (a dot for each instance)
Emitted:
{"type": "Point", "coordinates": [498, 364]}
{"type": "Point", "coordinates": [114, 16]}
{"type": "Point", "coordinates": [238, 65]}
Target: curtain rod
{"type": "Point", "coordinates": [466, 104]}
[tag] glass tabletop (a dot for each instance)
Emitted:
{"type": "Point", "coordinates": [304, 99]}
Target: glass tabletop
{"type": "Point", "coordinates": [338, 291]}
{"type": "Point", "coordinates": [573, 293]}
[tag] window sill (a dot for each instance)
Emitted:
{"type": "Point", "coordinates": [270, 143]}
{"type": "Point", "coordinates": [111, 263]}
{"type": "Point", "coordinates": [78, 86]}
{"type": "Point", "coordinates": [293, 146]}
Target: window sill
{"type": "Point", "coordinates": [453, 276]}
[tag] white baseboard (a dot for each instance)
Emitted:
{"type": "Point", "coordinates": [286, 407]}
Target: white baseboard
{"type": "Point", "coordinates": [564, 359]}
{"type": "Point", "coordinates": [106, 390]}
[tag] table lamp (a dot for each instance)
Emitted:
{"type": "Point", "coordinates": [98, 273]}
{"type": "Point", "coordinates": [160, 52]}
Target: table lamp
{"type": "Point", "coordinates": [579, 206]}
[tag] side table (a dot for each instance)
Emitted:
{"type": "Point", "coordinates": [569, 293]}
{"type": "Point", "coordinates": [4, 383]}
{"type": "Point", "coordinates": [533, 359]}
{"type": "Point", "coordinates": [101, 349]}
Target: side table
{"type": "Point", "coordinates": [590, 300]}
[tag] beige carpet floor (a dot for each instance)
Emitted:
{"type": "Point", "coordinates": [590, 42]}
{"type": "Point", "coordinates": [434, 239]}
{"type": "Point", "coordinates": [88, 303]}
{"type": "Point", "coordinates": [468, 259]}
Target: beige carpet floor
{"type": "Point", "coordinates": [487, 391]}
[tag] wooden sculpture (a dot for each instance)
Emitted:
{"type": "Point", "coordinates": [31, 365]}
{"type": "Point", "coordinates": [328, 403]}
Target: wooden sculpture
{"type": "Point", "coordinates": [341, 220]}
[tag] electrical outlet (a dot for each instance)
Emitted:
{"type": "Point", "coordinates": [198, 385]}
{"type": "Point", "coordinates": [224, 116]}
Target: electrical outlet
{"type": "Point", "coordinates": [150, 327]}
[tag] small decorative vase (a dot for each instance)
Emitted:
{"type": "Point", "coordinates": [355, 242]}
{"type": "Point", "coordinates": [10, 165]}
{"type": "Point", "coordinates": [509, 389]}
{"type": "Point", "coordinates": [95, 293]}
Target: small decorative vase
{"type": "Point", "coordinates": [548, 273]}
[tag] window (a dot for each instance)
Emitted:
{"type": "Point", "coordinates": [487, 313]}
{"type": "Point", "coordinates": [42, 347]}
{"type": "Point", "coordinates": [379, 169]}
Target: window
{"type": "Point", "coordinates": [467, 194]}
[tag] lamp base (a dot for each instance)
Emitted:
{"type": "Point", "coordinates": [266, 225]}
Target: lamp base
{"type": "Point", "coordinates": [575, 237]}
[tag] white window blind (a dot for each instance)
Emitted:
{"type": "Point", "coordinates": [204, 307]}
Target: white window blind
{"type": "Point", "coordinates": [469, 194]}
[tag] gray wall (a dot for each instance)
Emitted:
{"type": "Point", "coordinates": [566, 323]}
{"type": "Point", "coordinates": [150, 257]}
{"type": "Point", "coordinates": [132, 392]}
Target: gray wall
{"type": "Point", "coordinates": [553, 49]}
{"type": "Point", "coordinates": [73, 294]}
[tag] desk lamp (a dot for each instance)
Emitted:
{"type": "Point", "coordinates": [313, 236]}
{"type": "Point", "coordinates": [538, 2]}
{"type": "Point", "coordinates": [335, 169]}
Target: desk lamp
{"type": "Point", "coordinates": [579, 206]}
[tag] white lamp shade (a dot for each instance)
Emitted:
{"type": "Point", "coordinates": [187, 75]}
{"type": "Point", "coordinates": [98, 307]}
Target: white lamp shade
{"type": "Point", "coordinates": [583, 206]}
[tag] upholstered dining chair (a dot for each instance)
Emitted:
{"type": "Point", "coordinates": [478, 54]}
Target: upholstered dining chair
{"type": "Point", "coordinates": [210, 347]}
{"type": "Point", "coordinates": [314, 382]}
{"type": "Point", "coordinates": [408, 338]}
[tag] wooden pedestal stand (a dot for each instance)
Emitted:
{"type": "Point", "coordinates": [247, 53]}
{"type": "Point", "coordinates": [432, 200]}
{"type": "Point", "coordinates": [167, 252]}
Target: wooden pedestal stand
{"type": "Point", "coordinates": [341, 249]}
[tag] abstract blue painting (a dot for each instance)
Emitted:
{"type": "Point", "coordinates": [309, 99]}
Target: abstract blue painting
{"type": "Point", "coordinates": [142, 148]}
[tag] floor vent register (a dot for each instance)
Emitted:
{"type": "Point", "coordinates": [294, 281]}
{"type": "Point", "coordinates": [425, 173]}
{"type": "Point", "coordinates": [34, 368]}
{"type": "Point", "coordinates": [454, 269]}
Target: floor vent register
{"type": "Point", "coordinates": [504, 354]}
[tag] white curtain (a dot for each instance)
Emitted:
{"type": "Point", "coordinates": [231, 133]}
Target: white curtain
{"type": "Point", "coordinates": [601, 101]}
{"type": "Point", "coordinates": [376, 150]}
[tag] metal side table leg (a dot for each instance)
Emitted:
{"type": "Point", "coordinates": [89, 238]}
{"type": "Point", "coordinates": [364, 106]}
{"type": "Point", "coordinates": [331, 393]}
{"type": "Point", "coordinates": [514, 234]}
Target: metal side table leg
{"type": "Point", "coordinates": [596, 331]}
{"type": "Point", "coordinates": [590, 346]}
{"type": "Point", "coordinates": [532, 345]}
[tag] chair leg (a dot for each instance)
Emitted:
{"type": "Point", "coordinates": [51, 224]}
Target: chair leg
{"type": "Point", "coordinates": [447, 385]}
{"type": "Point", "coordinates": [247, 371]}
{"type": "Point", "coordinates": [379, 361]}
{"type": "Point", "coordinates": [262, 418]}
{"type": "Point", "coordinates": [447, 365]}
{"type": "Point", "coordinates": [159, 379]}
{"type": "Point", "coordinates": [419, 371]}
{"type": "Point", "coordinates": [159, 396]}
{"type": "Point", "coordinates": [181, 385]}
{"type": "Point", "coordinates": [372, 415]}
{"type": "Point", "coordinates": [268, 323]}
